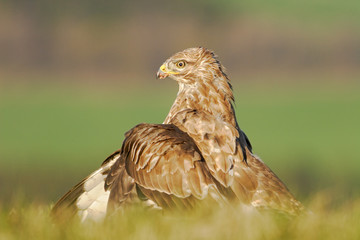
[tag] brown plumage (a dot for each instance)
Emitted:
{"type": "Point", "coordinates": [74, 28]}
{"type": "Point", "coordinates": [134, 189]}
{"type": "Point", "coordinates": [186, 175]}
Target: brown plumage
{"type": "Point", "coordinates": [199, 153]}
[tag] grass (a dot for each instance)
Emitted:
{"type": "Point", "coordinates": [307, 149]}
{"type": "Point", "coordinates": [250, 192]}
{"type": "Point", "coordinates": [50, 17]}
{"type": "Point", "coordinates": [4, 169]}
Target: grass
{"type": "Point", "coordinates": [342, 222]}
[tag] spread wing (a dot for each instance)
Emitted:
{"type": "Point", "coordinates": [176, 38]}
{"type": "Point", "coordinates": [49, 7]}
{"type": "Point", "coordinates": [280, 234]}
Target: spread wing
{"type": "Point", "coordinates": [227, 153]}
{"type": "Point", "coordinates": [165, 164]}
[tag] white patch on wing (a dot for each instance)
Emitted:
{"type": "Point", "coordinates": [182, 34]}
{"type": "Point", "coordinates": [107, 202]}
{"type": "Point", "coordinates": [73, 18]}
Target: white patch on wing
{"type": "Point", "coordinates": [94, 180]}
{"type": "Point", "coordinates": [97, 209]}
{"type": "Point", "coordinates": [92, 204]}
{"type": "Point", "coordinates": [91, 195]}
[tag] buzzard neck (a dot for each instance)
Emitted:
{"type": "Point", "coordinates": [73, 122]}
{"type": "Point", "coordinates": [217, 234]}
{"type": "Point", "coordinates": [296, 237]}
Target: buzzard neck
{"type": "Point", "coordinates": [213, 97]}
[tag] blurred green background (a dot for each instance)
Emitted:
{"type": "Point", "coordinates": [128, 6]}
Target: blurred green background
{"type": "Point", "coordinates": [76, 75]}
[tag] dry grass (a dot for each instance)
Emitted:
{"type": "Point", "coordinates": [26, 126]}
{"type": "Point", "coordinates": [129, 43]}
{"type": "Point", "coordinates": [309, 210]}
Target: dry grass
{"type": "Point", "coordinates": [326, 222]}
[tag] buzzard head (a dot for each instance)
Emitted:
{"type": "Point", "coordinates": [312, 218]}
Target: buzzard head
{"type": "Point", "coordinates": [190, 65]}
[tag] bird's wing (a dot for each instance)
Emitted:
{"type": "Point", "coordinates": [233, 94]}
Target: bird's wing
{"type": "Point", "coordinates": [227, 153]}
{"type": "Point", "coordinates": [165, 164]}
{"type": "Point", "coordinates": [88, 199]}
{"type": "Point", "coordinates": [216, 140]}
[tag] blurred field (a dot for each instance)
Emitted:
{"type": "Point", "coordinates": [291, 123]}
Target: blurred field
{"type": "Point", "coordinates": [52, 135]}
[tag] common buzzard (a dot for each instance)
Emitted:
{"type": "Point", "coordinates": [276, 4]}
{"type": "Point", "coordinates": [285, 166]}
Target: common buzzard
{"type": "Point", "coordinates": [198, 155]}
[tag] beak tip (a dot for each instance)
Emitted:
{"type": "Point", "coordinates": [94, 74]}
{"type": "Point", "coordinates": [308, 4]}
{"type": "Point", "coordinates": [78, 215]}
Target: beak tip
{"type": "Point", "coordinates": [161, 75]}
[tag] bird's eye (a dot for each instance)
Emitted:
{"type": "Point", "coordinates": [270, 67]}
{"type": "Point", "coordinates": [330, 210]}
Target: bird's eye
{"type": "Point", "coordinates": [181, 64]}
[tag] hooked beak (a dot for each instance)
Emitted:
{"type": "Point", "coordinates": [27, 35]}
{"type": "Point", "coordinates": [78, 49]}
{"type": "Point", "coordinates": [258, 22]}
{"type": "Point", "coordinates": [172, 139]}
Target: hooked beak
{"type": "Point", "coordinates": [162, 73]}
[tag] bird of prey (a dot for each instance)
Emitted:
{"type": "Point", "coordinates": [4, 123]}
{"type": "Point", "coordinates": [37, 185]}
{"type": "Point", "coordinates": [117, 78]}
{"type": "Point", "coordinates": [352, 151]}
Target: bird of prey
{"type": "Point", "coordinates": [197, 155]}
